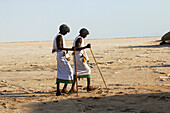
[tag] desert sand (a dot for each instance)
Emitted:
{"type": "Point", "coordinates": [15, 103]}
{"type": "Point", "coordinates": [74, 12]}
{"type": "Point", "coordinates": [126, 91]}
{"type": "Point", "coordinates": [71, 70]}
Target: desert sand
{"type": "Point", "coordinates": [136, 70]}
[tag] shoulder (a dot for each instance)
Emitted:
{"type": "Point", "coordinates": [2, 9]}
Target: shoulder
{"type": "Point", "coordinates": [59, 37]}
{"type": "Point", "coordinates": [79, 40]}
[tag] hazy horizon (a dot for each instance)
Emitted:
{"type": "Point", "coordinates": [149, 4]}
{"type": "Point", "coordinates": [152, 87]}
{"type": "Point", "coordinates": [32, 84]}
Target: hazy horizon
{"type": "Point", "coordinates": [39, 20]}
{"type": "Point", "coordinates": [86, 39]}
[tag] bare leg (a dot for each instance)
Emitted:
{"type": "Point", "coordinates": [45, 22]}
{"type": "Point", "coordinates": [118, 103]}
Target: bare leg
{"type": "Point", "coordinates": [72, 88]}
{"type": "Point", "coordinates": [88, 85]}
{"type": "Point", "coordinates": [58, 89]}
{"type": "Point", "coordinates": [64, 88]}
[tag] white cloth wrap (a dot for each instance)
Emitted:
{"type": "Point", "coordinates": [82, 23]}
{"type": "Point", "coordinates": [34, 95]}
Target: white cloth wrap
{"type": "Point", "coordinates": [64, 70]}
{"type": "Point", "coordinates": [82, 67]}
{"type": "Point", "coordinates": [82, 45]}
{"type": "Point", "coordinates": [55, 44]}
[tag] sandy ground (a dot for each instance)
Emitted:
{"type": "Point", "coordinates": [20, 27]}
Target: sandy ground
{"type": "Point", "coordinates": [136, 70]}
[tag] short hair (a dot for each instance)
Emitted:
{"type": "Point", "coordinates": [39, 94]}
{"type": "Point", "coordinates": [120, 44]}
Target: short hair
{"type": "Point", "coordinates": [64, 28]}
{"type": "Point", "coordinates": [83, 32]}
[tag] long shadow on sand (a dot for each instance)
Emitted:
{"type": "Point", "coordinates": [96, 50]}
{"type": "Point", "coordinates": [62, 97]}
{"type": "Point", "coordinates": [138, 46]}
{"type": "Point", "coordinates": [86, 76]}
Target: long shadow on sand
{"type": "Point", "coordinates": [161, 66]}
{"type": "Point", "coordinates": [26, 94]}
{"type": "Point", "coordinates": [152, 66]}
{"type": "Point", "coordinates": [147, 46]}
{"type": "Point", "coordinates": [132, 103]}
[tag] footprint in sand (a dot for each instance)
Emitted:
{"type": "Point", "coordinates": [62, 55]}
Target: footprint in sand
{"type": "Point", "coordinates": [96, 98]}
{"type": "Point", "coordinates": [99, 92]}
{"type": "Point", "coordinates": [128, 110]}
{"type": "Point", "coordinates": [120, 92]}
{"type": "Point", "coordinates": [156, 71]}
{"type": "Point", "coordinates": [110, 109]}
{"type": "Point", "coordinates": [4, 105]}
{"type": "Point", "coordinates": [164, 78]}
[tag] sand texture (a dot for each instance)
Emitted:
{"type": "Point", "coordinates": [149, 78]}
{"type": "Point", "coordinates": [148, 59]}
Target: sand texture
{"type": "Point", "coordinates": [136, 70]}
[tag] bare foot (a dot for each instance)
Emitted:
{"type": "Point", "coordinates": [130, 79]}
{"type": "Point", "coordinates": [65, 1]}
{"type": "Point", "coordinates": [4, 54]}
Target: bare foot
{"type": "Point", "coordinates": [58, 93]}
{"type": "Point", "coordinates": [88, 89]}
{"type": "Point", "coordinates": [73, 91]}
{"type": "Point", "coordinates": [66, 92]}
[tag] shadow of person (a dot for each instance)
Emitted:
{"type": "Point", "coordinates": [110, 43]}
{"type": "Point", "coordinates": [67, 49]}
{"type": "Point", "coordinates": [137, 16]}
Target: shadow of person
{"type": "Point", "coordinates": [120, 103]}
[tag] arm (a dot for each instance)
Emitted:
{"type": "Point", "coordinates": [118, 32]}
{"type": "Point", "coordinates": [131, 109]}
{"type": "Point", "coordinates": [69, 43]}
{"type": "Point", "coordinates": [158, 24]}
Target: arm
{"type": "Point", "coordinates": [78, 45]}
{"type": "Point", "coordinates": [86, 55]}
{"type": "Point", "coordinates": [59, 42]}
{"type": "Point", "coordinates": [54, 46]}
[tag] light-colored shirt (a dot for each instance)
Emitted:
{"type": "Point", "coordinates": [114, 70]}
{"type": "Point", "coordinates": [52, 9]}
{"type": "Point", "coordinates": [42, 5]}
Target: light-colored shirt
{"type": "Point", "coordinates": [55, 44]}
{"type": "Point", "coordinates": [82, 45]}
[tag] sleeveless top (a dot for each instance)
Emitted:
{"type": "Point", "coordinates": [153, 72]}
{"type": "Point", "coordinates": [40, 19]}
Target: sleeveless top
{"type": "Point", "coordinates": [82, 45]}
{"type": "Point", "coordinates": [55, 44]}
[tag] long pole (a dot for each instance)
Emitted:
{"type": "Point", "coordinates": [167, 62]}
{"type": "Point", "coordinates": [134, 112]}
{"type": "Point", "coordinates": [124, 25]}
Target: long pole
{"type": "Point", "coordinates": [75, 69]}
{"type": "Point", "coordinates": [98, 67]}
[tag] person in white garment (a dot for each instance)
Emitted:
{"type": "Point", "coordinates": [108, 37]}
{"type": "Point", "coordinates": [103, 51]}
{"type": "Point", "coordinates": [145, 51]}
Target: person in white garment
{"type": "Point", "coordinates": [64, 70]}
{"type": "Point", "coordinates": [83, 70]}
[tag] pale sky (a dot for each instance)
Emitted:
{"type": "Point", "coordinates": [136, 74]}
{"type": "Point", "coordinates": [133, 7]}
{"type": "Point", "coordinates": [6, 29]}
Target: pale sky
{"type": "Point", "coordinates": [39, 20]}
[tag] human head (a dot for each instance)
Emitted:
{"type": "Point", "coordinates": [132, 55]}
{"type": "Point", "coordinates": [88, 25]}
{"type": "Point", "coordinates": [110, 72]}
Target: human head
{"type": "Point", "coordinates": [84, 32]}
{"type": "Point", "coordinates": [64, 29]}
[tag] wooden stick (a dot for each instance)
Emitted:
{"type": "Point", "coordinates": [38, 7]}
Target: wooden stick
{"type": "Point", "coordinates": [98, 67]}
{"type": "Point", "coordinates": [75, 69]}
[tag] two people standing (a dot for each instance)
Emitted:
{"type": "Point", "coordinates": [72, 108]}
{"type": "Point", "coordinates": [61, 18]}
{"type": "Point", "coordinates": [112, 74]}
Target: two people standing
{"type": "Point", "coordinates": [64, 71]}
